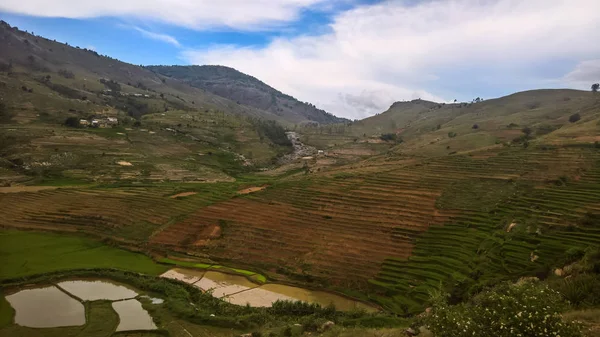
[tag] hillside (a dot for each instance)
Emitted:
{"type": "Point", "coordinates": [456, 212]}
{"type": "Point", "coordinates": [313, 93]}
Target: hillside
{"type": "Point", "coordinates": [247, 90]}
{"type": "Point", "coordinates": [425, 129]}
{"type": "Point", "coordinates": [423, 199]}
{"type": "Point", "coordinates": [162, 129]}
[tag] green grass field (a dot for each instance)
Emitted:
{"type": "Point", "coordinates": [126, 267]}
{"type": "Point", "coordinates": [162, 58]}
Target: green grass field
{"type": "Point", "coordinates": [6, 312]}
{"type": "Point", "coordinates": [29, 253]}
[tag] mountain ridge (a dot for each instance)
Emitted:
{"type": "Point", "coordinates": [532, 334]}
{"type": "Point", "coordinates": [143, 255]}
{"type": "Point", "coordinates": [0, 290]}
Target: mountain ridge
{"type": "Point", "coordinates": [247, 90]}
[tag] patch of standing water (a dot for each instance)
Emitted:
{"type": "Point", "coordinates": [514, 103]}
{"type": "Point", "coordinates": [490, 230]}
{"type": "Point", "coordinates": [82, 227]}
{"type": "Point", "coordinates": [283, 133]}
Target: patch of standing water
{"type": "Point", "coordinates": [187, 276]}
{"type": "Point", "coordinates": [97, 290]}
{"type": "Point", "coordinates": [223, 284]}
{"type": "Point", "coordinates": [239, 290]}
{"type": "Point", "coordinates": [46, 307]}
{"type": "Point", "coordinates": [132, 316]}
{"type": "Point", "coordinates": [314, 296]}
{"type": "Point", "coordinates": [257, 297]}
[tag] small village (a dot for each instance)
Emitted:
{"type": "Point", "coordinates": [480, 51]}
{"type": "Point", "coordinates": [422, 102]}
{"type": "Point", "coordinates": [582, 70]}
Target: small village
{"type": "Point", "coordinates": [99, 122]}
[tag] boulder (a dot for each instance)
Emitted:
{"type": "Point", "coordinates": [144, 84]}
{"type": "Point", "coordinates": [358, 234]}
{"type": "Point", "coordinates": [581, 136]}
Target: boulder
{"type": "Point", "coordinates": [327, 325]}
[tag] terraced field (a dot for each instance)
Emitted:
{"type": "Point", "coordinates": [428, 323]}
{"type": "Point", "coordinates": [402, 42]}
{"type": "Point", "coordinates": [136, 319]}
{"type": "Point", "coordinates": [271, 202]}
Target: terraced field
{"type": "Point", "coordinates": [393, 231]}
{"type": "Point", "coordinates": [127, 214]}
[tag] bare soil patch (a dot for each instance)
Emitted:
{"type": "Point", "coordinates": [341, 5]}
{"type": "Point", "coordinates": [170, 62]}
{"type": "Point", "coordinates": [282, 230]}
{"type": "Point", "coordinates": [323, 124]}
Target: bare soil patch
{"type": "Point", "coordinates": [184, 194]}
{"type": "Point", "coordinates": [252, 189]}
{"type": "Point", "coordinates": [17, 189]}
{"type": "Point", "coordinates": [124, 163]}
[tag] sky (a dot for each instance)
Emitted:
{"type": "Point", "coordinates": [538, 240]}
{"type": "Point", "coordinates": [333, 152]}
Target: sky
{"type": "Point", "coordinates": [352, 58]}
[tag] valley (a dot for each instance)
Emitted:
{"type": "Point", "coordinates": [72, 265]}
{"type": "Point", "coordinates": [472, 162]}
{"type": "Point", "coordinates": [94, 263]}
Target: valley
{"type": "Point", "coordinates": [245, 210]}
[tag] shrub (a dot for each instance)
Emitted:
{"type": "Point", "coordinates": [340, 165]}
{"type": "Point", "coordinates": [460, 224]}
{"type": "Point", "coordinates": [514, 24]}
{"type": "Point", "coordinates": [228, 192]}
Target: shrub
{"type": "Point", "coordinates": [527, 310]}
{"type": "Point", "coordinates": [72, 122]}
{"type": "Point", "coordinates": [388, 137]}
{"type": "Point", "coordinates": [580, 291]}
{"type": "Point", "coordinates": [66, 73]}
{"type": "Point", "coordinates": [475, 126]}
{"type": "Point", "coordinates": [452, 134]}
{"type": "Point", "coordinates": [545, 129]}
{"type": "Point", "coordinates": [527, 131]}
{"type": "Point", "coordinates": [574, 117]}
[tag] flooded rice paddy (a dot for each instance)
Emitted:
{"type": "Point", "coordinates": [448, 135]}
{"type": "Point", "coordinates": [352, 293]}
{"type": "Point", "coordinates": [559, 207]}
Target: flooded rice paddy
{"type": "Point", "coordinates": [46, 307]}
{"type": "Point", "coordinates": [61, 305]}
{"type": "Point", "coordinates": [239, 290]}
{"type": "Point", "coordinates": [97, 290]}
{"type": "Point", "coordinates": [132, 316]}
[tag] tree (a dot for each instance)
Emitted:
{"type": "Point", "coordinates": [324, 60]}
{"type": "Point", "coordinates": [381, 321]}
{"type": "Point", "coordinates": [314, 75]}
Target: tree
{"type": "Point", "coordinates": [574, 117]}
{"type": "Point", "coordinates": [72, 122]}
{"type": "Point", "coordinates": [527, 131]}
{"type": "Point", "coordinates": [595, 87]}
{"type": "Point", "coordinates": [388, 137]}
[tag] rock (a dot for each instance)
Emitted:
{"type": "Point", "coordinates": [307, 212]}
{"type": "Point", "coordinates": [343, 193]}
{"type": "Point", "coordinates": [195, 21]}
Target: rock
{"type": "Point", "coordinates": [424, 332]}
{"type": "Point", "coordinates": [327, 325]}
{"type": "Point", "coordinates": [510, 227]}
{"type": "Point", "coordinates": [246, 335]}
{"type": "Point", "coordinates": [533, 257]}
{"type": "Point", "coordinates": [529, 279]}
{"type": "Point", "coordinates": [410, 332]}
{"type": "Point", "coordinates": [558, 272]}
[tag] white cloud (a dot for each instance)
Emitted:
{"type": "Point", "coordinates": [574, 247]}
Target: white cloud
{"type": "Point", "coordinates": [377, 54]}
{"type": "Point", "coordinates": [585, 73]}
{"type": "Point", "coordinates": [196, 14]}
{"type": "Point", "coordinates": [157, 36]}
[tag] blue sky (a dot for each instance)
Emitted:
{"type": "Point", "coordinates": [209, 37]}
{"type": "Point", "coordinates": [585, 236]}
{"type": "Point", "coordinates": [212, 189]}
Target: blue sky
{"type": "Point", "coordinates": [351, 57]}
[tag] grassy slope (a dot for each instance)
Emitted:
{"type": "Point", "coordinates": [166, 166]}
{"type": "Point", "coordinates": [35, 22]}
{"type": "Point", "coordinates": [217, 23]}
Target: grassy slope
{"type": "Point", "coordinates": [31, 128]}
{"type": "Point", "coordinates": [425, 126]}
{"type": "Point", "coordinates": [6, 312]}
{"type": "Point", "coordinates": [28, 253]}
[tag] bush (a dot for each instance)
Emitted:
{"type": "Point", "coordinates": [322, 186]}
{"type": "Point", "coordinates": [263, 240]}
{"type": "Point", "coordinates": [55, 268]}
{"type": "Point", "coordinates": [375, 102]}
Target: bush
{"type": "Point", "coordinates": [545, 129]}
{"type": "Point", "coordinates": [66, 73]}
{"type": "Point", "coordinates": [574, 118]}
{"type": "Point", "coordinates": [452, 134]}
{"type": "Point", "coordinates": [580, 291]}
{"type": "Point", "coordinates": [527, 310]}
{"type": "Point", "coordinates": [72, 122]}
{"type": "Point", "coordinates": [475, 126]}
{"type": "Point", "coordinates": [388, 137]}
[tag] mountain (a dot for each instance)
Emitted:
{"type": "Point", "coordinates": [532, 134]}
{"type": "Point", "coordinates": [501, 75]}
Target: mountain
{"type": "Point", "coordinates": [247, 90]}
{"type": "Point", "coordinates": [166, 129]}
{"type": "Point", "coordinates": [425, 128]}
